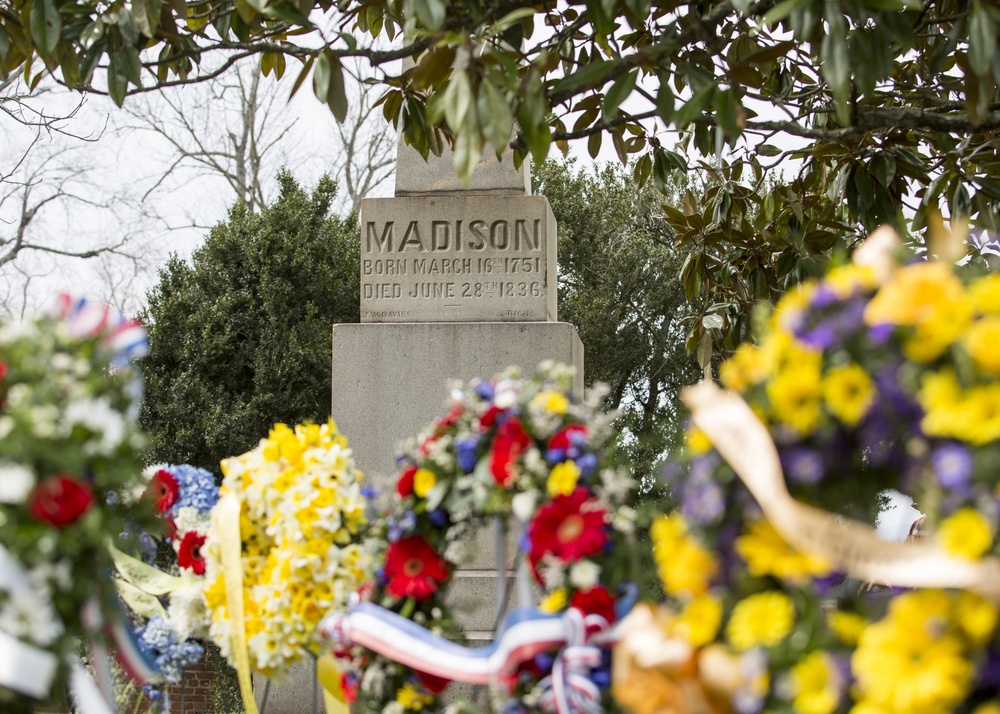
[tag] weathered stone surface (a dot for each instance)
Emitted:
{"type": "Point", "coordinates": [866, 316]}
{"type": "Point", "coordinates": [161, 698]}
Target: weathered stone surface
{"type": "Point", "coordinates": [416, 177]}
{"type": "Point", "coordinates": [458, 258]}
{"type": "Point", "coordinates": [390, 380]}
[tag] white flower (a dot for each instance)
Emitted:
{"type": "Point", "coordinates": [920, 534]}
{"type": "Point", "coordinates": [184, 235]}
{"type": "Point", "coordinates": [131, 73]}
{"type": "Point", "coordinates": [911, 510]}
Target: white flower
{"type": "Point", "coordinates": [188, 519]}
{"type": "Point", "coordinates": [523, 505]}
{"type": "Point", "coordinates": [98, 416]}
{"type": "Point", "coordinates": [373, 680]}
{"type": "Point", "coordinates": [552, 572]}
{"type": "Point", "coordinates": [506, 393]}
{"type": "Point", "coordinates": [623, 520]}
{"type": "Point", "coordinates": [28, 614]}
{"type": "Point", "coordinates": [394, 708]}
{"type": "Point", "coordinates": [16, 483]}
{"type": "Point", "coordinates": [188, 611]}
{"type": "Point", "coordinates": [583, 574]}
{"type": "Point", "coordinates": [616, 485]}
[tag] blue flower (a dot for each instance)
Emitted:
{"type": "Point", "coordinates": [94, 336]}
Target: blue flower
{"type": "Point", "coordinates": [485, 391]}
{"type": "Point", "coordinates": [168, 652]}
{"type": "Point", "coordinates": [369, 492]}
{"type": "Point", "coordinates": [467, 456]}
{"type": "Point", "coordinates": [196, 488]}
{"type": "Point", "coordinates": [439, 517]}
{"type": "Point", "coordinates": [587, 463]}
{"type": "Point", "coordinates": [399, 527]}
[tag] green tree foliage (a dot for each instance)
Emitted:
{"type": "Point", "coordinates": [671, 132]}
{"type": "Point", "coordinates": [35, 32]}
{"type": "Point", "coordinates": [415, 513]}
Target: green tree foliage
{"type": "Point", "coordinates": [889, 107]}
{"type": "Point", "coordinates": [240, 339]}
{"type": "Point", "coordinates": [619, 285]}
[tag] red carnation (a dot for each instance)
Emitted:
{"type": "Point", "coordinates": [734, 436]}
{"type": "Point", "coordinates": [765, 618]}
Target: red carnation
{"type": "Point", "coordinates": [60, 500]}
{"type": "Point", "coordinates": [596, 601]}
{"type": "Point", "coordinates": [510, 441]}
{"type": "Point", "coordinates": [189, 554]}
{"type": "Point", "coordinates": [413, 568]}
{"type": "Point", "coordinates": [569, 527]}
{"type": "Point", "coordinates": [404, 486]}
{"type": "Point", "coordinates": [163, 489]}
{"type": "Point", "coordinates": [562, 439]}
{"type": "Point", "coordinates": [489, 418]}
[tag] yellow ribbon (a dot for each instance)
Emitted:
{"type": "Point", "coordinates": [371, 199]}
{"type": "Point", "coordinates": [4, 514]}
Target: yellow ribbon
{"type": "Point", "coordinates": [226, 524]}
{"type": "Point", "coordinates": [745, 443]}
{"type": "Point", "coordinates": [328, 675]}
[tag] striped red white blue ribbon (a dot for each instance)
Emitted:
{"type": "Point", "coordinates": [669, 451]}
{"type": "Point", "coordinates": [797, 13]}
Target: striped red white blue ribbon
{"type": "Point", "coordinates": [125, 337]}
{"type": "Point", "coordinates": [524, 634]}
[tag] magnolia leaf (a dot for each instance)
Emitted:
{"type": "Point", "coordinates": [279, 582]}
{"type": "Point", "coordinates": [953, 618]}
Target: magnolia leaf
{"type": "Point", "coordinates": [618, 93]}
{"type": "Point", "coordinates": [45, 25]}
{"type": "Point", "coordinates": [982, 38]}
{"type": "Point", "coordinates": [336, 97]}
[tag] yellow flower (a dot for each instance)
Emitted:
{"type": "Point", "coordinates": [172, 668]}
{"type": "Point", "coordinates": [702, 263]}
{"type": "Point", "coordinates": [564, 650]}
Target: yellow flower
{"type": "Point", "coordinates": [550, 401]}
{"type": "Point", "coordinates": [846, 626]}
{"type": "Point", "coordinates": [845, 280]}
{"type": "Point", "coordinates": [815, 684]}
{"type": "Point", "coordinates": [767, 553]}
{"type": "Point", "coordinates": [912, 660]}
{"type": "Point", "coordinates": [976, 617]}
{"type": "Point", "coordinates": [412, 698]}
{"type": "Point", "coordinates": [685, 567]}
{"type": "Point", "coordinates": [795, 394]}
{"type": "Point", "coordinates": [984, 294]}
{"type": "Point", "coordinates": [848, 392]}
{"type": "Point", "coordinates": [423, 482]}
{"type": "Point", "coordinates": [764, 619]}
{"type": "Point", "coordinates": [563, 478]}
{"type": "Point", "coordinates": [696, 441]}
{"type": "Point", "coordinates": [792, 304]}
{"type": "Point", "coordinates": [699, 622]}
{"type": "Point", "coordinates": [744, 369]}
{"type": "Point", "coordinates": [981, 340]}
{"type": "Point", "coordinates": [555, 602]}
{"type": "Point", "coordinates": [965, 534]}
{"type": "Point", "coordinates": [987, 708]}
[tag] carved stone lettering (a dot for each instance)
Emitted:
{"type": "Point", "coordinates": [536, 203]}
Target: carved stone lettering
{"type": "Point", "coordinates": [458, 258]}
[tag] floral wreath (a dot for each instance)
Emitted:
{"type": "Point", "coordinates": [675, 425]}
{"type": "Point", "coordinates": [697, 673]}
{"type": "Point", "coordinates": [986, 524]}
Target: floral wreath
{"type": "Point", "coordinates": [182, 496]}
{"type": "Point", "coordinates": [302, 516]}
{"type": "Point", "coordinates": [67, 464]}
{"type": "Point", "coordinates": [883, 374]}
{"type": "Point", "coordinates": [508, 449]}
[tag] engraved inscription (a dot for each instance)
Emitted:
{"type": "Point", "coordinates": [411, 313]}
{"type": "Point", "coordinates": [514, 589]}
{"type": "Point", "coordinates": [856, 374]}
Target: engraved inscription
{"type": "Point", "coordinates": [454, 260]}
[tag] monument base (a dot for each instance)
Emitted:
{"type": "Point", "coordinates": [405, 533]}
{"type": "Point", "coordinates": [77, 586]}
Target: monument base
{"type": "Point", "coordinates": [389, 381]}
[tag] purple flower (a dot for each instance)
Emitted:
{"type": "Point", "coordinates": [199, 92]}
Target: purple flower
{"type": "Point", "coordinates": [803, 465]}
{"type": "Point", "coordinates": [878, 335]}
{"type": "Point", "coordinates": [821, 337]}
{"type": "Point", "coordinates": [953, 465]}
{"type": "Point", "coordinates": [369, 493]}
{"type": "Point", "coordinates": [702, 500]}
{"type": "Point", "coordinates": [401, 526]}
{"type": "Point", "coordinates": [587, 463]}
{"type": "Point", "coordinates": [485, 391]}
{"type": "Point", "coordinates": [823, 297]}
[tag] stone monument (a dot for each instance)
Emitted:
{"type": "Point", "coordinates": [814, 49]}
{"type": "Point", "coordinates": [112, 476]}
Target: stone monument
{"type": "Point", "coordinates": [457, 282]}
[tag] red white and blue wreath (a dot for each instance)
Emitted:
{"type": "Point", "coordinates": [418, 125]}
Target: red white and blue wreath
{"type": "Point", "coordinates": [525, 454]}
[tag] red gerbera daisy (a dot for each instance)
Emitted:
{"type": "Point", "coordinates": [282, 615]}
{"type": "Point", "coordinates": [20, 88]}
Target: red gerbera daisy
{"type": "Point", "coordinates": [488, 419]}
{"type": "Point", "coordinates": [163, 489]}
{"type": "Point", "coordinates": [596, 601]}
{"type": "Point", "coordinates": [510, 441]}
{"type": "Point", "coordinates": [413, 568]}
{"type": "Point", "coordinates": [569, 527]}
{"type": "Point", "coordinates": [404, 486]}
{"type": "Point", "coordinates": [60, 500]}
{"type": "Point", "coordinates": [189, 554]}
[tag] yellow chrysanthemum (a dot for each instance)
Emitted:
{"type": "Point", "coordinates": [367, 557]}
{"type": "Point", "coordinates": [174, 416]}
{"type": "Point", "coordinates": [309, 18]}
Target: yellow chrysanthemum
{"type": "Point", "coordinates": [972, 415]}
{"type": "Point", "coordinates": [761, 620]}
{"type": "Point", "coordinates": [562, 479]}
{"type": "Point", "coordinates": [846, 626]}
{"type": "Point", "coordinates": [848, 279]}
{"type": "Point", "coordinates": [423, 481]}
{"type": "Point", "coordinates": [912, 660]}
{"type": "Point", "coordinates": [849, 392]}
{"type": "Point", "coordinates": [984, 294]}
{"type": "Point", "coordinates": [412, 698]}
{"type": "Point", "coordinates": [767, 553]}
{"type": "Point", "coordinates": [699, 621]}
{"type": "Point", "coordinates": [550, 401]}
{"type": "Point", "coordinates": [981, 341]}
{"type": "Point", "coordinates": [685, 567]}
{"type": "Point", "coordinates": [795, 394]}
{"type": "Point", "coordinates": [925, 296]}
{"type": "Point", "coordinates": [976, 617]}
{"type": "Point", "coordinates": [744, 369]}
{"type": "Point", "coordinates": [965, 534]}
{"type": "Point", "coordinates": [554, 602]}
{"type": "Point", "coordinates": [815, 684]}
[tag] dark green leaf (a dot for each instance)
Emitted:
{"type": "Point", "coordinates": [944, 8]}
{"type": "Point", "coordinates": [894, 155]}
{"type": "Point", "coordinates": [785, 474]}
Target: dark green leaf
{"type": "Point", "coordinates": [45, 25]}
{"type": "Point", "coordinates": [618, 93]}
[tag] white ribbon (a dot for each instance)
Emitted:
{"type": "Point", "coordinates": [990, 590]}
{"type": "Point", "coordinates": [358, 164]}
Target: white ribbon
{"type": "Point", "coordinates": [24, 668]}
